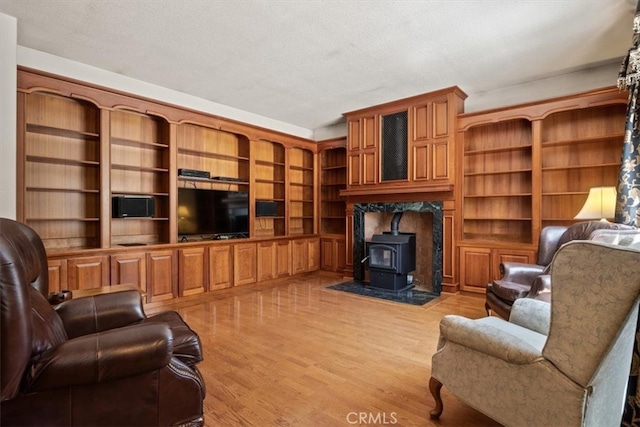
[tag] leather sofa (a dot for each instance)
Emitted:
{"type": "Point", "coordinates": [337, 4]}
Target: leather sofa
{"type": "Point", "coordinates": [520, 280]}
{"type": "Point", "coordinates": [88, 361]}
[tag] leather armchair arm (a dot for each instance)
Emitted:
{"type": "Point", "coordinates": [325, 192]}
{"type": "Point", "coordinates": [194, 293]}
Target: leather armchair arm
{"type": "Point", "coordinates": [487, 339]}
{"type": "Point", "coordinates": [103, 357]}
{"type": "Point", "coordinates": [540, 286]}
{"type": "Point", "coordinates": [519, 272]}
{"type": "Point", "coordinates": [98, 313]}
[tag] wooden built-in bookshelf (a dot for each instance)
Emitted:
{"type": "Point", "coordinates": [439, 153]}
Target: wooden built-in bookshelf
{"type": "Point", "coordinates": [269, 170]}
{"type": "Point", "coordinates": [529, 166]}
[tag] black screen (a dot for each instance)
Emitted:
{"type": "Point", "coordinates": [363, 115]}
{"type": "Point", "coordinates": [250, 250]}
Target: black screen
{"type": "Point", "coordinates": [212, 212]}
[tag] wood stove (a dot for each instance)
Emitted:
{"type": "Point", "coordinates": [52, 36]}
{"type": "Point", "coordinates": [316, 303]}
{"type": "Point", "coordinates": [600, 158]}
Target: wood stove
{"type": "Point", "coordinates": [392, 255]}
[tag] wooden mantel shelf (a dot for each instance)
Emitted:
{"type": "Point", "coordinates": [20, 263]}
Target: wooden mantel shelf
{"type": "Point", "coordinates": [379, 189]}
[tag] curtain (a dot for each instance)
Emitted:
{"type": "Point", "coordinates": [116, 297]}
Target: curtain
{"type": "Point", "coordinates": [628, 199]}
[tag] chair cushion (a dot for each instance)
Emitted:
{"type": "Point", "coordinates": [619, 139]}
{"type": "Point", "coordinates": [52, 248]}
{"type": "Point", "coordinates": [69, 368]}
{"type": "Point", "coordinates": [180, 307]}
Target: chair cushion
{"type": "Point", "coordinates": [509, 291]}
{"type": "Point", "coordinates": [186, 343]}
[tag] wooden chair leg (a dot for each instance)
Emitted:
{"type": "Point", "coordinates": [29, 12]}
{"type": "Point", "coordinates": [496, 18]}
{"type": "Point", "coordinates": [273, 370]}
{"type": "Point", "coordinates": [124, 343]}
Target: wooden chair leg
{"type": "Point", "coordinates": [487, 309]}
{"type": "Point", "coordinates": [435, 386]}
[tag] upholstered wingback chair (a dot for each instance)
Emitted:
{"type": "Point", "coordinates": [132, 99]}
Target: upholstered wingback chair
{"type": "Point", "coordinates": [565, 363]}
{"type": "Point", "coordinates": [90, 361]}
{"type": "Point", "coordinates": [520, 280]}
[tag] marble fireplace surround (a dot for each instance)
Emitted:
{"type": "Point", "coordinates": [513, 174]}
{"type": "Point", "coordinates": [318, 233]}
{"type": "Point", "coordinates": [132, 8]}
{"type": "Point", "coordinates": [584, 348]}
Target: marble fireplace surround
{"type": "Point", "coordinates": [435, 208]}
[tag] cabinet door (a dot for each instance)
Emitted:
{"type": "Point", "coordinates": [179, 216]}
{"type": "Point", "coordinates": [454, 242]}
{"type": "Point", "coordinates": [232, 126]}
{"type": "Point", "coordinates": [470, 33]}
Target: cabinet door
{"type": "Point", "coordinates": [340, 255]}
{"type": "Point", "coordinates": [283, 258]}
{"type": "Point", "coordinates": [192, 271]}
{"type": "Point", "coordinates": [354, 169]}
{"type": "Point", "coordinates": [220, 267]}
{"type": "Point", "coordinates": [332, 254]}
{"type": "Point", "coordinates": [327, 258]}
{"type": "Point", "coordinates": [129, 269]}
{"type": "Point", "coordinates": [244, 263]}
{"type": "Point", "coordinates": [266, 261]}
{"type": "Point", "coordinates": [475, 269]}
{"type": "Point", "coordinates": [161, 275]}
{"type": "Point", "coordinates": [369, 167]}
{"type": "Point", "coordinates": [313, 252]}
{"type": "Point", "coordinates": [88, 272]}
{"type": "Point", "coordinates": [299, 256]}
{"type": "Point", "coordinates": [57, 274]}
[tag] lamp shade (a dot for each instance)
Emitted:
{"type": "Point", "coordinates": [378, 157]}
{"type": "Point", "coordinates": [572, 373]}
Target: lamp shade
{"type": "Point", "coordinates": [600, 204]}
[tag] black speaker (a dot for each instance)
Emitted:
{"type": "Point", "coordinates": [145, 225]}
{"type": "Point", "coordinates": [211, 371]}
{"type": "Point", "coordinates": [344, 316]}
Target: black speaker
{"type": "Point", "coordinates": [266, 208]}
{"type": "Point", "coordinates": [133, 207]}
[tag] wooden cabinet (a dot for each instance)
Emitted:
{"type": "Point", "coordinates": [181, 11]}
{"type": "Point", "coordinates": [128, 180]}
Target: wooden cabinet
{"type": "Point", "coordinates": [220, 267]}
{"type": "Point", "coordinates": [305, 255]}
{"type": "Point", "coordinates": [162, 271]}
{"type": "Point", "coordinates": [193, 269]}
{"type": "Point", "coordinates": [528, 166]}
{"type": "Point", "coordinates": [301, 191]}
{"type": "Point", "coordinates": [269, 172]}
{"type": "Point", "coordinates": [267, 259]}
{"type": "Point", "coordinates": [480, 266]}
{"type": "Point", "coordinates": [363, 152]}
{"type": "Point", "coordinates": [332, 254]}
{"type": "Point", "coordinates": [59, 153]}
{"type": "Point", "coordinates": [87, 272]}
{"type": "Point", "coordinates": [57, 274]}
{"type": "Point", "coordinates": [283, 258]}
{"type": "Point", "coordinates": [245, 261]}
{"type": "Point", "coordinates": [129, 269]}
{"type": "Point", "coordinates": [404, 146]}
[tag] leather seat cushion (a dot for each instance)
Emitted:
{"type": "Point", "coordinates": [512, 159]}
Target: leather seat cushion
{"type": "Point", "coordinates": [186, 343]}
{"type": "Point", "coordinates": [509, 291]}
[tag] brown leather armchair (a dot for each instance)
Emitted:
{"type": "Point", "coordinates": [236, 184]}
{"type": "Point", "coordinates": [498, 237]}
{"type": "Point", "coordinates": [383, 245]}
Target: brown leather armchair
{"type": "Point", "coordinates": [89, 361]}
{"type": "Point", "coordinates": [520, 280]}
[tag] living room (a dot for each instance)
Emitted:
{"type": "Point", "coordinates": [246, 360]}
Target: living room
{"type": "Point", "coordinates": [313, 196]}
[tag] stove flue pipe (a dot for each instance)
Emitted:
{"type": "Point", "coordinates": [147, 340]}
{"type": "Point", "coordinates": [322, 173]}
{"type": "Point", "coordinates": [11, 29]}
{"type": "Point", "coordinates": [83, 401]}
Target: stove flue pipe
{"type": "Point", "coordinates": [394, 223]}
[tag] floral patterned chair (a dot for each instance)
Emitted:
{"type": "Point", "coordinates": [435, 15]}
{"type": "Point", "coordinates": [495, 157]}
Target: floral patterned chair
{"type": "Point", "coordinates": [564, 363]}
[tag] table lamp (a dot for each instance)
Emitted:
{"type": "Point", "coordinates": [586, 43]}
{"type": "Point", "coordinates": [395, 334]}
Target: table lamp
{"type": "Point", "coordinates": [600, 204]}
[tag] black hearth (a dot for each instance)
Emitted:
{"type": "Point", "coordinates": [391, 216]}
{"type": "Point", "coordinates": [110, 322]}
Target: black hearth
{"type": "Point", "coordinates": [392, 256]}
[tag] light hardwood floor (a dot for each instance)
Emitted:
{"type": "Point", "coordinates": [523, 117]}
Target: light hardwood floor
{"type": "Point", "coordinates": [294, 353]}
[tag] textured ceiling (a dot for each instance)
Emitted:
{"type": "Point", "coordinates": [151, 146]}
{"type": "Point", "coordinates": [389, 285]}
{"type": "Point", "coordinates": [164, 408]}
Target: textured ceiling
{"type": "Point", "coordinates": [307, 62]}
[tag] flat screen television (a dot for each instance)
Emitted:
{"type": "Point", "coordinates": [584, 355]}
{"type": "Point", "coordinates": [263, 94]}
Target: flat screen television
{"type": "Point", "coordinates": [213, 213]}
